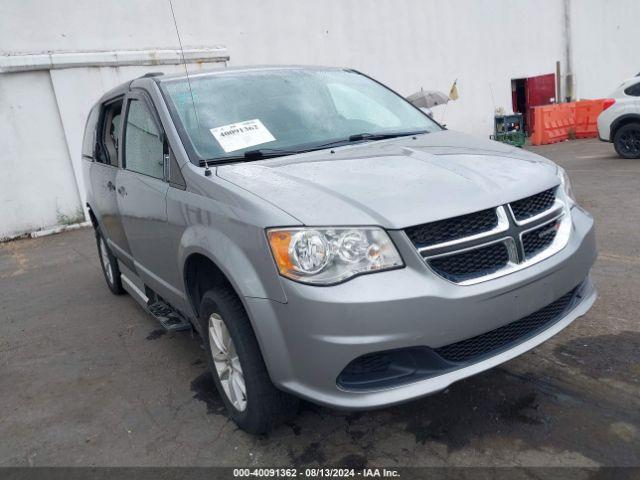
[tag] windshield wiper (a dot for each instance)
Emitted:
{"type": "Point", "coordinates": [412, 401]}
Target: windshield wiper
{"type": "Point", "coordinates": [378, 136]}
{"type": "Point", "coordinates": [262, 153]}
{"type": "Point", "coordinates": [250, 155]}
{"type": "Point", "coordinates": [358, 137]}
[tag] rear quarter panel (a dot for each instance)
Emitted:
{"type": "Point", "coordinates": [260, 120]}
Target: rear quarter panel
{"type": "Point", "coordinates": [608, 117]}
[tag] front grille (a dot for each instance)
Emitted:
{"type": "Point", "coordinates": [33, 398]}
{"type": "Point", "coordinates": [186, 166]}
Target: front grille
{"type": "Point", "coordinates": [537, 240]}
{"type": "Point", "coordinates": [462, 266]}
{"type": "Point", "coordinates": [507, 335]}
{"type": "Point", "coordinates": [472, 248]}
{"type": "Point", "coordinates": [533, 205]}
{"type": "Point", "coordinates": [453, 228]}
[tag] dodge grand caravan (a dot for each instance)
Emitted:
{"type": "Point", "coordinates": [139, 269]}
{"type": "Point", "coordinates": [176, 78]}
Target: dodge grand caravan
{"type": "Point", "coordinates": [326, 238]}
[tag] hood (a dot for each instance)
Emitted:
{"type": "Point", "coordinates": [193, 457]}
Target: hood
{"type": "Point", "coordinates": [395, 183]}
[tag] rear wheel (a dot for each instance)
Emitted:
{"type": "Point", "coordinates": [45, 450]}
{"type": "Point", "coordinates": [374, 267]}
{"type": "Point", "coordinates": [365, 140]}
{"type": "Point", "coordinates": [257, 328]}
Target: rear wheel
{"type": "Point", "coordinates": [627, 141]}
{"type": "Point", "coordinates": [109, 265]}
{"type": "Point", "coordinates": [239, 372]}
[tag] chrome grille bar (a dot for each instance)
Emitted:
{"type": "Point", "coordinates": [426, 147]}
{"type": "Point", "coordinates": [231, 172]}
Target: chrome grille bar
{"type": "Point", "coordinates": [502, 226]}
{"type": "Point", "coordinates": [509, 231]}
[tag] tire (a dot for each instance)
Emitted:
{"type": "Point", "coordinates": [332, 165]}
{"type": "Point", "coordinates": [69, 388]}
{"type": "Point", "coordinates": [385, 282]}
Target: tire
{"type": "Point", "coordinates": [109, 264]}
{"type": "Point", "coordinates": [627, 141]}
{"type": "Point", "coordinates": [264, 406]}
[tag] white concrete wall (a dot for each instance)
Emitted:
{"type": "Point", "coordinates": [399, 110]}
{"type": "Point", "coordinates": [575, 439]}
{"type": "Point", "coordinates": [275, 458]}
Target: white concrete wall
{"type": "Point", "coordinates": [42, 118]}
{"type": "Point", "coordinates": [37, 186]}
{"type": "Point", "coordinates": [606, 44]}
{"type": "Point", "coordinates": [407, 44]}
{"type": "Point", "coordinates": [404, 43]}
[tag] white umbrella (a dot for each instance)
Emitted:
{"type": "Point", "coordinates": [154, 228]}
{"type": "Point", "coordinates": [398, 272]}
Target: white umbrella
{"type": "Point", "coordinates": [428, 98]}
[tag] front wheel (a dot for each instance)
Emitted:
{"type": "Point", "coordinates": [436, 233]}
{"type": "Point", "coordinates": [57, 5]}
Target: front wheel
{"type": "Point", "coordinates": [627, 141]}
{"type": "Point", "coordinates": [239, 372]}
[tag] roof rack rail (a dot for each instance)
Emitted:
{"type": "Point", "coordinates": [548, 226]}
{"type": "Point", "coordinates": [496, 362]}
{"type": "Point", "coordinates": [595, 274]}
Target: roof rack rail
{"type": "Point", "coordinates": [151, 74]}
{"type": "Point", "coordinates": [146, 75]}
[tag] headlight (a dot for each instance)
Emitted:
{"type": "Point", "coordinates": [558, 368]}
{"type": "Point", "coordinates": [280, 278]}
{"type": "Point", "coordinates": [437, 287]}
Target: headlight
{"type": "Point", "coordinates": [565, 183]}
{"type": "Point", "coordinates": [324, 256]}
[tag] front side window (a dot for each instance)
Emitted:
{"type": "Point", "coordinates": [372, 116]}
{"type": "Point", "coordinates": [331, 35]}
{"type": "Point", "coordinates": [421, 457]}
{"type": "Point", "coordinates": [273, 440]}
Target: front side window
{"type": "Point", "coordinates": [284, 109]}
{"type": "Point", "coordinates": [143, 142]}
{"type": "Point", "coordinates": [109, 141]}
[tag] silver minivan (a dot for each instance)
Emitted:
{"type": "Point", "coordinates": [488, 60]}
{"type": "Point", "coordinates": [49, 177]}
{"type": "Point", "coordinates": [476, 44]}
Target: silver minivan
{"type": "Point", "coordinates": [327, 239]}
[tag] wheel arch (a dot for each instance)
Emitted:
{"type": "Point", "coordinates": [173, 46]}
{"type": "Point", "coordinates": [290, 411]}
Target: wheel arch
{"type": "Point", "coordinates": [621, 121]}
{"type": "Point", "coordinates": [92, 216]}
{"type": "Point", "coordinates": [201, 274]}
{"type": "Point", "coordinates": [209, 258]}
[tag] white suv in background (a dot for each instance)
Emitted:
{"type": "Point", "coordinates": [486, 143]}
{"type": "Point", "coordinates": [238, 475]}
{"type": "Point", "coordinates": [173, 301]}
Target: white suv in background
{"type": "Point", "coordinates": [620, 123]}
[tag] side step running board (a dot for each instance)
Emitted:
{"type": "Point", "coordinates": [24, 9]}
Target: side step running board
{"type": "Point", "coordinates": [170, 320]}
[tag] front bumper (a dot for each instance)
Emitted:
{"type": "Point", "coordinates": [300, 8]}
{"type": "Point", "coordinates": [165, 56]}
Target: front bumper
{"type": "Point", "coordinates": [308, 341]}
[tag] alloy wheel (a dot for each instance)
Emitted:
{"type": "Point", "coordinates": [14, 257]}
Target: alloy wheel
{"type": "Point", "coordinates": [630, 142]}
{"type": "Point", "coordinates": [227, 362]}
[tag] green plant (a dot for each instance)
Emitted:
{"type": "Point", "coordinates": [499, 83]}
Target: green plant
{"type": "Point", "coordinates": [76, 217]}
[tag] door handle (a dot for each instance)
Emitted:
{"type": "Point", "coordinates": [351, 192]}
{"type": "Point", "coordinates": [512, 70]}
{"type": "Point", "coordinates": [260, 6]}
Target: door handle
{"type": "Point", "coordinates": [122, 191]}
{"type": "Point", "coordinates": [111, 186]}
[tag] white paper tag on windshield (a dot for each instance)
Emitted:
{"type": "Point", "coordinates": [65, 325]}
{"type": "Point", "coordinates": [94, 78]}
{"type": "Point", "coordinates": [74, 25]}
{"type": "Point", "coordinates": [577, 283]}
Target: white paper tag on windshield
{"type": "Point", "coordinates": [242, 135]}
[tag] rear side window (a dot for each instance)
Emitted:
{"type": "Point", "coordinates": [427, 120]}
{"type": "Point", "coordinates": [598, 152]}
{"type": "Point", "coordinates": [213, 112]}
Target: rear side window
{"type": "Point", "coordinates": [144, 148]}
{"type": "Point", "coordinates": [89, 140]}
{"type": "Point", "coordinates": [633, 90]}
{"type": "Point", "coordinates": [109, 134]}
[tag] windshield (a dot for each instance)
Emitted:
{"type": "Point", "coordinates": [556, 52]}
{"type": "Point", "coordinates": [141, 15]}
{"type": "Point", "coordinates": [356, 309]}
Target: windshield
{"type": "Point", "coordinates": [289, 109]}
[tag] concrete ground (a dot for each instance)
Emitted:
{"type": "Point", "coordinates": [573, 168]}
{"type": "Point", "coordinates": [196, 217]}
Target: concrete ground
{"type": "Point", "coordinates": [87, 378]}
